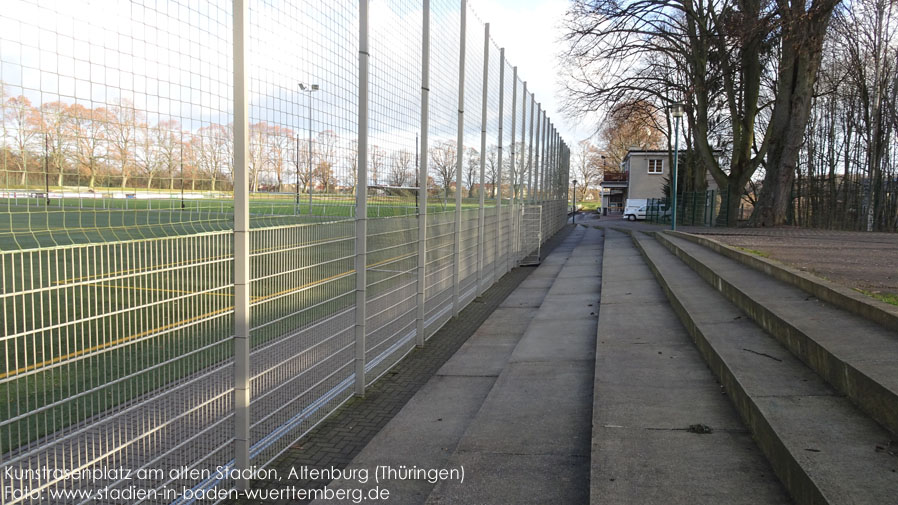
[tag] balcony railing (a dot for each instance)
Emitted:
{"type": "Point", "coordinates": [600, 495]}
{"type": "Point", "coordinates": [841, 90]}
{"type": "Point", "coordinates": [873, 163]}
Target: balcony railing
{"type": "Point", "coordinates": [616, 176]}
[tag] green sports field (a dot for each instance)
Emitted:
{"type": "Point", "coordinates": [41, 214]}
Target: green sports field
{"type": "Point", "coordinates": [106, 302]}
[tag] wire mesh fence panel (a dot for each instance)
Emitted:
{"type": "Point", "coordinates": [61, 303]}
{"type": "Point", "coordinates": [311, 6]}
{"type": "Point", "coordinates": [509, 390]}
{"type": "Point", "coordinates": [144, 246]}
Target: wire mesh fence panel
{"type": "Point", "coordinates": [470, 169]}
{"type": "Point", "coordinates": [112, 128]}
{"type": "Point", "coordinates": [491, 154]}
{"type": "Point", "coordinates": [117, 355]}
{"type": "Point", "coordinates": [694, 208]}
{"type": "Point", "coordinates": [468, 255]}
{"type": "Point", "coordinates": [440, 253]}
{"type": "Point", "coordinates": [392, 290]}
{"type": "Point", "coordinates": [490, 243]}
{"type": "Point", "coordinates": [120, 267]}
{"type": "Point", "coordinates": [442, 153]}
{"type": "Point", "coordinates": [395, 128]}
{"type": "Point", "coordinates": [531, 234]}
{"type": "Point", "coordinates": [303, 80]}
{"type": "Point", "coordinates": [303, 315]}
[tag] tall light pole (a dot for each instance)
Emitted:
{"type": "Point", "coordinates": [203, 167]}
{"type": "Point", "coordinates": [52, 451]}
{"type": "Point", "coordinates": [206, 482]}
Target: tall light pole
{"type": "Point", "coordinates": [574, 209]}
{"type": "Point", "coordinates": [309, 89]}
{"type": "Point", "coordinates": [676, 110]}
{"type": "Point", "coordinates": [602, 192]}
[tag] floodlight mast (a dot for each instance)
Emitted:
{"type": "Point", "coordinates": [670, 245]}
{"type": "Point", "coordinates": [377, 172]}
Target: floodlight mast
{"type": "Point", "coordinates": [309, 89]}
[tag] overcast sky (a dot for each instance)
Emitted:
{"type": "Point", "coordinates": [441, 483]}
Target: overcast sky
{"type": "Point", "coordinates": [530, 31]}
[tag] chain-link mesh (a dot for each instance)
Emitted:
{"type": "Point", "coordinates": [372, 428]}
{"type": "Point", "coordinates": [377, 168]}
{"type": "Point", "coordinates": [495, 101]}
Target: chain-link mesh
{"type": "Point", "coordinates": [117, 244]}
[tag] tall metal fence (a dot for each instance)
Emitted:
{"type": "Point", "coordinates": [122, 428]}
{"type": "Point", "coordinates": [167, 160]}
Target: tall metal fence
{"type": "Point", "coordinates": [694, 208]}
{"type": "Point", "coordinates": [221, 220]}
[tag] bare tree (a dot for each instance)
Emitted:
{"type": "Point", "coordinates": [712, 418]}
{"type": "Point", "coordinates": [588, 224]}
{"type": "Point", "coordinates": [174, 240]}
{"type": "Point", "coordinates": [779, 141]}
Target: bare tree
{"type": "Point", "coordinates": [214, 151]}
{"type": "Point", "coordinates": [327, 152]}
{"type": "Point", "coordinates": [400, 168]}
{"type": "Point", "coordinates": [55, 119]}
{"type": "Point", "coordinates": [492, 169]}
{"type": "Point", "coordinates": [803, 29]}
{"type": "Point", "coordinates": [630, 124]}
{"type": "Point", "coordinates": [121, 131]}
{"type": "Point", "coordinates": [353, 164]}
{"type": "Point", "coordinates": [87, 128]}
{"type": "Point", "coordinates": [376, 163]}
{"type": "Point", "coordinates": [472, 169]}
{"type": "Point", "coordinates": [713, 57]}
{"type": "Point", "coordinates": [442, 157]}
{"type": "Point", "coordinates": [586, 167]}
{"type": "Point", "coordinates": [147, 155]}
{"type": "Point", "coordinates": [24, 121]}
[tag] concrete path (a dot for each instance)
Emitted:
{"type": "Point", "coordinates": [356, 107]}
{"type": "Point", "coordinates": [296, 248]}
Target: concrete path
{"type": "Point", "coordinates": [512, 407]}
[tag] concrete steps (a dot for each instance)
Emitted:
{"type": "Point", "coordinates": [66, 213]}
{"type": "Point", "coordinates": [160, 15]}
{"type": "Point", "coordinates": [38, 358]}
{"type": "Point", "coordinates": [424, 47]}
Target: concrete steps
{"type": "Point", "coordinates": [857, 357]}
{"type": "Point", "coordinates": [651, 386]}
{"type": "Point", "coordinates": [823, 448]}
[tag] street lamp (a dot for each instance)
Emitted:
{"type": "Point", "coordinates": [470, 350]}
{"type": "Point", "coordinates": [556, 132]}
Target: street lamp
{"type": "Point", "coordinates": [604, 202]}
{"type": "Point", "coordinates": [574, 209]}
{"type": "Point", "coordinates": [309, 89]}
{"type": "Point", "coordinates": [676, 110]}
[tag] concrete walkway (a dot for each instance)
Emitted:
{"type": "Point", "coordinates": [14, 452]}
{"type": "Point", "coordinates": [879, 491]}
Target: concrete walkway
{"type": "Point", "coordinates": [513, 407]}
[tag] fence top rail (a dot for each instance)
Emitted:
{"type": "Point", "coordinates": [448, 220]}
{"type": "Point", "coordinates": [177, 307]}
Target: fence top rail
{"type": "Point", "coordinates": [44, 249]}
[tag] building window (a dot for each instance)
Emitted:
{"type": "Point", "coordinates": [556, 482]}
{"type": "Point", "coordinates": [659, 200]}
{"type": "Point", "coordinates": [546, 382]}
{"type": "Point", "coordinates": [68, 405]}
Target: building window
{"type": "Point", "coordinates": [655, 166]}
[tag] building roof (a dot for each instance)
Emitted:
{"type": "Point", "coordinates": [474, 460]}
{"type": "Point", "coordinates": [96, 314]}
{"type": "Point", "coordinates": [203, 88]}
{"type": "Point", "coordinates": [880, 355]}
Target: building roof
{"type": "Point", "coordinates": [717, 152]}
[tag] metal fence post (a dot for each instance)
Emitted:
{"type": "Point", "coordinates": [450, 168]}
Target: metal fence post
{"type": "Point", "coordinates": [499, 225]}
{"type": "Point", "coordinates": [460, 148]}
{"type": "Point", "coordinates": [546, 153]}
{"type": "Point", "coordinates": [422, 175]}
{"type": "Point", "coordinates": [536, 171]}
{"type": "Point", "coordinates": [361, 205]}
{"type": "Point", "coordinates": [542, 160]}
{"type": "Point", "coordinates": [519, 213]}
{"type": "Point", "coordinates": [241, 246]}
{"type": "Point", "coordinates": [511, 171]}
{"type": "Point", "coordinates": [530, 152]}
{"type": "Point", "coordinates": [481, 228]}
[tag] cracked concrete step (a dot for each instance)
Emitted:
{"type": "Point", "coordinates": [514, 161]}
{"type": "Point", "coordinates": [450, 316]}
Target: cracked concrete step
{"type": "Point", "coordinates": [823, 449]}
{"type": "Point", "coordinates": [856, 356]}
{"type": "Point", "coordinates": [650, 386]}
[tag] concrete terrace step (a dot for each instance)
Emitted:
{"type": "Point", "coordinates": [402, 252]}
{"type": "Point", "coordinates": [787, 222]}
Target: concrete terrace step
{"type": "Point", "coordinates": [823, 449]}
{"type": "Point", "coordinates": [848, 299]}
{"type": "Point", "coordinates": [650, 386]}
{"type": "Point", "coordinates": [859, 358]}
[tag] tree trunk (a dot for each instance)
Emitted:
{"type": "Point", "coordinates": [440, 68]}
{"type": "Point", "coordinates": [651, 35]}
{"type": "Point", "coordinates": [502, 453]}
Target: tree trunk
{"type": "Point", "coordinates": [24, 168]}
{"type": "Point", "coordinates": [730, 198]}
{"type": "Point", "coordinates": [802, 43]}
{"type": "Point", "coordinates": [124, 177]}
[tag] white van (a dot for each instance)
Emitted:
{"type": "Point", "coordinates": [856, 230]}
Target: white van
{"type": "Point", "coordinates": [635, 209]}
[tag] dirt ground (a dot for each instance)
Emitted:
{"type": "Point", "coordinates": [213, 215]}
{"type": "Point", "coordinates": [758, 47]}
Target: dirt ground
{"type": "Point", "coordinates": [867, 261]}
{"type": "Point", "coordinates": [860, 260]}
